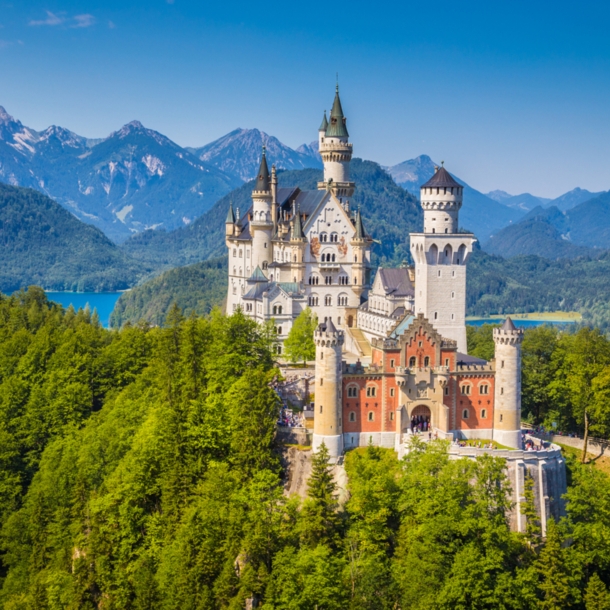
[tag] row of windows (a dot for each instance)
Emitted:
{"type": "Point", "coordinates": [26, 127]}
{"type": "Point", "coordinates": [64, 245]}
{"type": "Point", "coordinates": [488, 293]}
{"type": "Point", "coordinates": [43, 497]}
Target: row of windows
{"type": "Point", "coordinates": [342, 280]}
{"type": "Point", "coordinates": [352, 391]}
{"type": "Point", "coordinates": [313, 301]}
{"type": "Point", "coordinates": [370, 416]}
{"type": "Point", "coordinates": [328, 258]}
{"type": "Point", "coordinates": [466, 414]}
{"type": "Point", "coordinates": [324, 237]}
{"type": "Point", "coordinates": [467, 387]}
{"type": "Point", "coordinates": [277, 310]}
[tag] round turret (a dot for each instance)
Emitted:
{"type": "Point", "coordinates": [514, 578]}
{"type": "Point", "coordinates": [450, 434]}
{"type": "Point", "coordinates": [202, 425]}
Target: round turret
{"type": "Point", "coordinates": [328, 427]}
{"type": "Point", "coordinates": [507, 395]}
{"type": "Point", "coordinates": [441, 200]}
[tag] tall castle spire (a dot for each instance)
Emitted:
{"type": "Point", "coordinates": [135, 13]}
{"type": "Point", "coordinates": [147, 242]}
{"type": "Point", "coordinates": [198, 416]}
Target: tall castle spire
{"type": "Point", "coordinates": [336, 152]}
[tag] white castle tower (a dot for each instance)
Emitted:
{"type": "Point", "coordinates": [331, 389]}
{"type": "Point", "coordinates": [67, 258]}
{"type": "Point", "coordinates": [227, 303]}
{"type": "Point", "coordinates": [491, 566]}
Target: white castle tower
{"type": "Point", "coordinates": [327, 424]}
{"type": "Point", "coordinates": [507, 408]}
{"type": "Point", "coordinates": [261, 224]}
{"type": "Point", "coordinates": [440, 254]}
{"type": "Point", "coordinates": [336, 152]}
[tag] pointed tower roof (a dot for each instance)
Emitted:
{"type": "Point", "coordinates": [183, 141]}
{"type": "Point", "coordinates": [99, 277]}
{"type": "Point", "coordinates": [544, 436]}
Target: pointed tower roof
{"type": "Point", "coordinates": [508, 324]}
{"type": "Point", "coordinates": [330, 327]}
{"type": "Point", "coordinates": [324, 125]}
{"type": "Point", "coordinates": [262, 180]}
{"type": "Point", "coordinates": [360, 232]}
{"type": "Point", "coordinates": [230, 215]}
{"type": "Point", "coordinates": [441, 178]}
{"type": "Point", "coordinates": [257, 276]}
{"type": "Point", "coordinates": [337, 127]}
{"type": "Point", "coordinates": [297, 227]}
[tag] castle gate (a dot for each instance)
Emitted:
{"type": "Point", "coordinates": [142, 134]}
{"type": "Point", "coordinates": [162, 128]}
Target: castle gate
{"type": "Point", "coordinates": [422, 414]}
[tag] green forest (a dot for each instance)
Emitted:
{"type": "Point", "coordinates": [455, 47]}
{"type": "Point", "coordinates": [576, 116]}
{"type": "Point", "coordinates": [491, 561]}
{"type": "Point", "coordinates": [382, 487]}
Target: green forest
{"type": "Point", "coordinates": [44, 244]}
{"type": "Point", "coordinates": [139, 469]}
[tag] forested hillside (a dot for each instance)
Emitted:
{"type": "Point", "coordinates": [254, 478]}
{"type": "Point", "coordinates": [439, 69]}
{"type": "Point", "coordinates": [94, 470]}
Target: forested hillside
{"type": "Point", "coordinates": [139, 470]}
{"type": "Point", "coordinates": [196, 288]}
{"type": "Point", "coordinates": [43, 244]}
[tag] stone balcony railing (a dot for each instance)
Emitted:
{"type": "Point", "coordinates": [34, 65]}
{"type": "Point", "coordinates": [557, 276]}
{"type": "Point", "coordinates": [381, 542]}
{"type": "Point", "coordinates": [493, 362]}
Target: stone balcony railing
{"type": "Point", "coordinates": [438, 370]}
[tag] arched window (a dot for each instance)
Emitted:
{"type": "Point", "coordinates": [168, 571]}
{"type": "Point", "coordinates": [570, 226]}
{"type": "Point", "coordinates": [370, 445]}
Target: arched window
{"type": "Point", "coordinates": [333, 258]}
{"type": "Point", "coordinates": [412, 361]}
{"type": "Point", "coordinates": [371, 390]}
{"type": "Point", "coordinates": [323, 258]}
{"type": "Point", "coordinates": [484, 388]}
{"type": "Point", "coordinates": [371, 416]}
{"type": "Point", "coordinates": [427, 361]}
{"type": "Point", "coordinates": [279, 309]}
{"type": "Point", "coordinates": [352, 391]}
{"type": "Point", "coordinates": [264, 265]}
{"type": "Point", "coordinates": [465, 389]}
{"type": "Point", "coordinates": [483, 413]}
{"type": "Point", "coordinates": [274, 309]}
{"type": "Point", "coordinates": [465, 414]}
{"type": "Point", "coordinates": [328, 300]}
{"type": "Point", "coordinates": [334, 237]}
{"type": "Point", "coordinates": [234, 252]}
{"type": "Point", "coordinates": [352, 416]}
{"type": "Point", "coordinates": [279, 330]}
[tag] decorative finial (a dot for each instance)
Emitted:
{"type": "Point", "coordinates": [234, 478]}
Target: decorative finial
{"type": "Point", "coordinates": [337, 82]}
{"type": "Point", "coordinates": [264, 150]}
{"type": "Point", "coordinates": [442, 164]}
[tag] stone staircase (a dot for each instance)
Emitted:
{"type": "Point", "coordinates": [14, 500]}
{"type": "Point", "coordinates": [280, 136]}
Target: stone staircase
{"type": "Point", "coordinates": [363, 344]}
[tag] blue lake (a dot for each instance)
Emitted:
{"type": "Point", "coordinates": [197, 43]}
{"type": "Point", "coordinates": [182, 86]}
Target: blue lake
{"type": "Point", "coordinates": [519, 323]}
{"type": "Point", "coordinates": [102, 301]}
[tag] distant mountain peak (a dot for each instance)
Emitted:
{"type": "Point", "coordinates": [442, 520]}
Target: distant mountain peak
{"type": "Point", "coordinates": [64, 136]}
{"type": "Point", "coordinates": [5, 117]}
{"type": "Point", "coordinates": [238, 153]}
{"type": "Point", "coordinates": [499, 196]}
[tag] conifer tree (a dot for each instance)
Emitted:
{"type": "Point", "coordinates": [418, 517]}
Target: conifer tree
{"type": "Point", "coordinates": [528, 509]}
{"type": "Point", "coordinates": [553, 572]}
{"type": "Point", "coordinates": [319, 517]}
{"type": "Point", "coordinates": [597, 596]}
{"type": "Point", "coordinates": [299, 344]}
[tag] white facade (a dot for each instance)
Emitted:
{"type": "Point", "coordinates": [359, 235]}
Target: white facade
{"type": "Point", "coordinates": [441, 254]}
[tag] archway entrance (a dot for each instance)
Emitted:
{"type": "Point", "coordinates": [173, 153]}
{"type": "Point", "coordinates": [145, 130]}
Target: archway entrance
{"type": "Point", "coordinates": [420, 419]}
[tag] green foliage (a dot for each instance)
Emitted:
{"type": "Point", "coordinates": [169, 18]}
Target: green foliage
{"type": "Point", "coordinates": [528, 510]}
{"type": "Point", "coordinates": [597, 596]}
{"type": "Point", "coordinates": [530, 283]}
{"type": "Point", "coordinates": [138, 470]}
{"type": "Point", "coordinates": [481, 341]}
{"type": "Point", "coordinates": [44, 244]}
{"type": "Point", "coordinates": [195, 289]}
{"type": "Point", "coordinates": [299, 344]}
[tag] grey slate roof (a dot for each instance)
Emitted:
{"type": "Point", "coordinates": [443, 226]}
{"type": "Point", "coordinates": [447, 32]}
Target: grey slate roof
{"type": "Point", "coordinates": [360, 232]}
{"type": "Point", "coordinates": [508, 324]}
{"type": "Point", "coordinates": [262, 180]}
{"type": "Point", "coordinates": [465, 359]}
{"type": "Point", "coordinates": [230, 215]}
{"type": "Point", "coordinates": [396, 282]}
{"type": "Point", "coordinates": [297, 227]}
{"type": "Point", "coordinates": [441, 178]}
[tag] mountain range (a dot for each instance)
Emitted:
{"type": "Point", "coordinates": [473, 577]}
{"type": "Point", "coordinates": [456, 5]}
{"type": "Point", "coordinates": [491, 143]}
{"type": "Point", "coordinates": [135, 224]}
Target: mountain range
{"type": "Point", "coordinates": [583, 230]}
{"type": "Point", "coordinates": [134, 179]}
{"type": "Point", "coordinates": [137, 179]}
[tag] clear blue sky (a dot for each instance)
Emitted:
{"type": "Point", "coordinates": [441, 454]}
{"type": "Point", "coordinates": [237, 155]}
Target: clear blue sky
{"type": "Point", "coordinates": [512, 95]}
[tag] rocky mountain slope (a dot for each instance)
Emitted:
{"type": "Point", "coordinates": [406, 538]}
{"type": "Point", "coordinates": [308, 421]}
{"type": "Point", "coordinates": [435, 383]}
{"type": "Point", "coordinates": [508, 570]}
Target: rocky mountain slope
{"type": "Point", "coordinates": [132, 180]}
{"type": "Point", "coordinates": [43, 244]}
{"type": "Point", "coordinates": [239, 153]}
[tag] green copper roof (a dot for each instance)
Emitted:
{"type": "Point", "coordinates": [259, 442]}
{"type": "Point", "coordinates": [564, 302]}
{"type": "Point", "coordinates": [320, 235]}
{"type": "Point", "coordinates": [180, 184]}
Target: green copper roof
{"type": "Point", "coordinates": [337, 127]}
{"type": "Point", "coordinates": [230, 215]}
{"type": "Point", "coordinates": [262, 181]}
{"type": "Point", "coordinates": [360, 232]}
{"type": "Point", "coordinates": [324, 125]}
{"type": "Point", "coordinates": [257, 276]}
{"type": "Point", "coordinates": [297, 227]}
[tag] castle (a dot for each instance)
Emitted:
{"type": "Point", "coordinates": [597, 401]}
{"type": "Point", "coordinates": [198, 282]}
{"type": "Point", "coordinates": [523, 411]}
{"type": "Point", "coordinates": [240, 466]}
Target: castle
{"type": "Point", "coordinates": [295, 249]}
